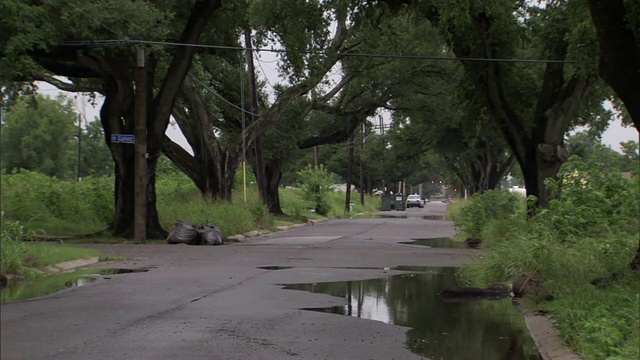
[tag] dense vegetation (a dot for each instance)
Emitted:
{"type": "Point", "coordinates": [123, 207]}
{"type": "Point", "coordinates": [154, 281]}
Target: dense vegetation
{"type": "Point", "coordinates": [579, 249]}
{"type": "Point", "coordinates": [446, 113]}
{"type": "Point", "coordinates": [35, 204]}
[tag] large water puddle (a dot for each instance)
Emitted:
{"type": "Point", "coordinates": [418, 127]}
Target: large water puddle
{"type": "Point", "coordinates": [480, 329]}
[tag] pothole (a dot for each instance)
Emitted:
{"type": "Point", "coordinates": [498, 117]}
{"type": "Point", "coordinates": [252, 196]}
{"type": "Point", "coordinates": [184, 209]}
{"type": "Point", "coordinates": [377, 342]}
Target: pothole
{"type": "Point", "coordinates": [119, 271]}
{"type": "Point", "coordinates": [274, 267]}
{"type": "Point", "coordinates": [441, 242]}
{"type": "Point", "coordinates": [440, 329]}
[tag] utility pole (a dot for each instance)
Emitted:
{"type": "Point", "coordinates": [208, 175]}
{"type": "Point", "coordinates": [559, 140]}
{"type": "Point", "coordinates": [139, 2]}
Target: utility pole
{"type": "Point", "coordinates": [349, 171]}
{"type": "Point", "coordinates": [316, 149]}
{"type": "Point", "coordinates": [140, 171]}
{"type": "Point", "coordinates": [362, 130]}
{"type": "Point", "coordinates": [79, 144]}
{"type": "Point", "coordinates": [244, 133]}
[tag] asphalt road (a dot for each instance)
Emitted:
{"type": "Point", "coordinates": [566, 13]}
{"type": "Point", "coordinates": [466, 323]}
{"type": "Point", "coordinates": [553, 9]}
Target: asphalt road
{"type": "Point", "coordinates": [216, 303]}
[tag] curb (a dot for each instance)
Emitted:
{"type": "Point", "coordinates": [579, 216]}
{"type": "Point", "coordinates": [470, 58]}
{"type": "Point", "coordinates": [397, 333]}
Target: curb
{"type": "Point", "coordinates": [240, 237]}
{"type": "Point", "coordinates": [71, 264]}
{"type": "Point", "coordinates": [547, 339]}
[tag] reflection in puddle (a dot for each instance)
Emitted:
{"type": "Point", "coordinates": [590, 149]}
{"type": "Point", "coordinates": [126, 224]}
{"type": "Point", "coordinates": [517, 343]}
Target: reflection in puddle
{"type": "Point", "coordinates": [51, 284]}
{"type": "Point", "coordinates": [443, 242]}
{"type": "Point", "coordinates": [483, 329]}
{"type": "Point", "coordinates": [41, 287]}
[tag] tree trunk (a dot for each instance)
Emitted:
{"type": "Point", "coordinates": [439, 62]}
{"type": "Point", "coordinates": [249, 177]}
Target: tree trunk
{"type": "Point", "coordinates": [124, 195]}
{"type": "Point", "coordinates": [619, 52]}
{"type": "Point", "coordinates": [257, 143]}
{"type": "Point", "coordinates": [117, 117]}
{"type": "Point", "coordinates": [273, 175]}
{"type": "Point", "coordinates": [619, 60]}
{"type": "Point", "coordinates": [213, 165]}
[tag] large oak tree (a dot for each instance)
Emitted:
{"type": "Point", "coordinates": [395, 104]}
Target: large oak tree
{"type": "Point", "coordinates": [47, 40]}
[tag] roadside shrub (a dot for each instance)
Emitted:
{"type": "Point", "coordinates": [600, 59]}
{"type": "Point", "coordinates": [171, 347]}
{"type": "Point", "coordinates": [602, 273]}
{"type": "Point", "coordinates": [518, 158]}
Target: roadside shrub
{"type": "Point", "coordinates": [590, 231]}
{"type": "Point", "coordinates": [12, 249]}
{"type": "Point", "coordinates": [316, 185]}
{"type": "Point", "coordinates": [293, 203]}
{"type": "Point", "coordinates": [590, 201]}
{"type": "Point", "coordinates": [175, 187]}
{"type": "Point", "coordinates": [260, 214]}
{"type": "Point", "coordinates": [472, 216]}
{"type": "Point", "coordinates": [36, 198]}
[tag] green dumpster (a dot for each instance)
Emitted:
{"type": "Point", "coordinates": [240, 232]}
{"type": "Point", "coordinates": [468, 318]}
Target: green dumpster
{"type": "Point", "coordinates": [386, 202]}
{"type": "Point", "coordinates": [399, 202]}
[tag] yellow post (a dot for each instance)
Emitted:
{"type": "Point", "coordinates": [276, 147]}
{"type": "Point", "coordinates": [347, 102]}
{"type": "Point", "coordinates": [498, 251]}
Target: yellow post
{"type": "Point", "coordinates": [244, 179]}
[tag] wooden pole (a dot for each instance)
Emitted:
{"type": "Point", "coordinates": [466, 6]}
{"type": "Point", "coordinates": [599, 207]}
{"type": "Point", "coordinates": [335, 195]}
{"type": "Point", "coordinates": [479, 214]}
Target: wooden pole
{"type": "Point", "coordinates": [140, 170]}
{"type": "Point", "coordinates": [362, 182]}
{"type": "Point", "coordinates": [349, 171]}
{"type": "Point", "coordinates": [79, 158]}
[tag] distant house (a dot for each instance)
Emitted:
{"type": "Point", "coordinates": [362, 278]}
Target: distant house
{"type": "Point", "coordinates": [342, 187]}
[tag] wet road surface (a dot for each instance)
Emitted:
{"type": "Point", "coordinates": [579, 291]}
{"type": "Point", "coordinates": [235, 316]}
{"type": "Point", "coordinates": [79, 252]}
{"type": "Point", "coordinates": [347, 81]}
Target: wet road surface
{"type": "Point", "coordinates": [217, 303]}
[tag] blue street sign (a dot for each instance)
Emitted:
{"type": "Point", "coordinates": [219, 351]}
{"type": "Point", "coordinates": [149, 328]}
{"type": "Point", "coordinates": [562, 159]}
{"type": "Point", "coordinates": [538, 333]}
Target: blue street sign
{"type": "Point", "coordinates": [123, 138]}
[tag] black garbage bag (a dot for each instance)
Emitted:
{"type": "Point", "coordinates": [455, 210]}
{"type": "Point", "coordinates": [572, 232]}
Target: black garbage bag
{"type": "Point", "coordinates": [210, 235]}
{"type": "Point", "coordinates": [182, 232]}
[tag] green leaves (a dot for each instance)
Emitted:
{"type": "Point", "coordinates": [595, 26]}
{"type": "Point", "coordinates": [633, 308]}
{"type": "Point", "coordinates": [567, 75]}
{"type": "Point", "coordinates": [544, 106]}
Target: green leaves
{"type": "Point", "coordinates": [298, 26]}
{"type": "Point", "coordinates": [38, 135]}
{"type": "Point", "coordinates": [316, 184]}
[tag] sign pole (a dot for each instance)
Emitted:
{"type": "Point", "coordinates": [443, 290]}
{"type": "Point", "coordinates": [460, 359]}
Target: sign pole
{"type": "Point", "coordinates": [140, 170]}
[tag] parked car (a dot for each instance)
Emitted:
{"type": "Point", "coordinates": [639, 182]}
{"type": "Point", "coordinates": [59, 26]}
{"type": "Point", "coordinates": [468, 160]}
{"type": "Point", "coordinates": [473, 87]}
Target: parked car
{"type": "Point", "coordinates": [414, 201]}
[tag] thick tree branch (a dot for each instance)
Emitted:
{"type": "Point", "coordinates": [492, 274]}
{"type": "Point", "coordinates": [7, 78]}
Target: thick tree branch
{"type": "Point", "coordinates": [182, 159]}
{"type": "Point", "coordinates": [619, 53]}
{"type": "Point", "coordinates": [48, 77]}
{"type": "Point", "coordinates": [181, 61]}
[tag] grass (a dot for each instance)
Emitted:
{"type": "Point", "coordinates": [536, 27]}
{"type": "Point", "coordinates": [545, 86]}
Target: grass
{"type": "Point", "coordinates": [40, 205]}
{"type": "Point", "coordinates": [41, 255]}
{"type": "Point", "coordinates": [596, 322]}
{"type": "Point", "coordinates": [600, 323]}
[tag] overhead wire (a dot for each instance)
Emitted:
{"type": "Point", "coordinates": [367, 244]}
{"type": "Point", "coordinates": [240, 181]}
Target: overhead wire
{"type": "Point", "coordinates": [215, 93]}
{"type": "Point", "coordinates": [110, 43]}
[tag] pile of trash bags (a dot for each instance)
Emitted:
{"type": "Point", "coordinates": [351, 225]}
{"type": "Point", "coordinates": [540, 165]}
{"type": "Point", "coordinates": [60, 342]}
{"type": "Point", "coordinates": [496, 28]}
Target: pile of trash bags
{"type": "Point", "coordinates": [183, 232]}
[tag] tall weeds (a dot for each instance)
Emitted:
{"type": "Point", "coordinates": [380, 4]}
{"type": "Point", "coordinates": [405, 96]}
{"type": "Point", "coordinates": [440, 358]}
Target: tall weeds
{"type": "Point", "coordinates": [590, 231]}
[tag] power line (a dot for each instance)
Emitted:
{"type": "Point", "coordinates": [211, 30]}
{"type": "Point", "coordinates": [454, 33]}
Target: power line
{"type": "Point", "coordinates": [112, 43]}
{"type": "Point", "coordinates": [215, 93]}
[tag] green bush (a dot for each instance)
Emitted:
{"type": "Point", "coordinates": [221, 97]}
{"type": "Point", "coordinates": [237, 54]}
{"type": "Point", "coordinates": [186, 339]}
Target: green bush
{"type": "Point", "coordinates": [472, 216]}
{"type": "Point", "coordinates": [293, 202]}
{"type": "Point", "coordinates": [590, 201]}
{"type": "Point", "coordinates": [589, 231]}
{"type": "Point", "coordinates": [37, 198]}
{"type": "Point", "coordinates": [316, 185]}
{"type": "Point", "coordinates": [12, 249]}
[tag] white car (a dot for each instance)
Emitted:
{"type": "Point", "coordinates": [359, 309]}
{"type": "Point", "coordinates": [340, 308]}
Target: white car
{"type": "Point", "coordinates": [414, 201]}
